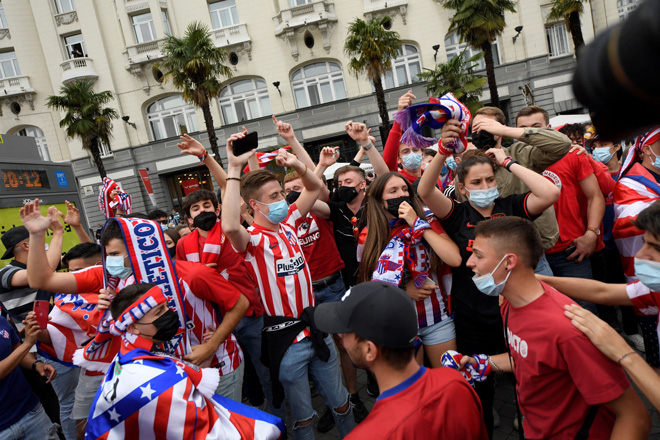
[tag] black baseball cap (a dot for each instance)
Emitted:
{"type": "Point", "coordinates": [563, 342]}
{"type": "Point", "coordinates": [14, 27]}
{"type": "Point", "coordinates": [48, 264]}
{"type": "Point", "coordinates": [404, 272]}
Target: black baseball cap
{"type": "Point", "coordinates": [376, 311]}
{"type": "Point", "coordinates": [11, 238]}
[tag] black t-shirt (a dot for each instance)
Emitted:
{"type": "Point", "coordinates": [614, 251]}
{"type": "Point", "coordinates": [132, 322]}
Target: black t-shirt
{"type": "Point", "coordinates": [460, 224]}
{"type": "Point", "coordinates": [342, 219]}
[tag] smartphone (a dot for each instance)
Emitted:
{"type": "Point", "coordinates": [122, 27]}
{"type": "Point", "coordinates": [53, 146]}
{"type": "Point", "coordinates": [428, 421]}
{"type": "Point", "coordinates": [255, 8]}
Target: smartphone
{"type": "Point", "coordinates": [248, 143]}
{"type": "Point", "coordinates": [40, 308]}
{"type": "Point", "coordinates": [569, 250]}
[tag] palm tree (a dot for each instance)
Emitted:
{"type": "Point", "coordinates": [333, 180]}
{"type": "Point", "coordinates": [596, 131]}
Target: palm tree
{"type": "Point", "coordinates": [86, 117]}
{"type": "Point", "coordinates": [371, 49]}
{"type": "Point", "coordinates": [479, 23]}
{"type": "Point", "coordinates": [569, 11]}
{"type": "Point", "coordinates": [194, 65]}
{"type": "Point", "coordinates": [457, 76]}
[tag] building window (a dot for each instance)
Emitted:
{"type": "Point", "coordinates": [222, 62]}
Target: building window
{"type": "Point", "coordinates": [557, 39]}
{"type": "Point", "coordinates": [74, 46]}
{"type": "Point", "coordinates": [3, 19]}
{"type": "Point", "coordinates": [63, 6]}
{"type": "Point", "coordinates": [171, 116]}
{"type": "Point", "coordinates": [104, 149]}
{"type": "Point", "coordinates": [625, 7]}
{"type": "Point", "coordinates": [454, 47]}
{"type": "Point", "coordinates": [143, 25]}
{"type": "Point", "coordinates": [294, 3]}
{"type": "Point", "coordinates": [405, 68]}
{"type": "Point", "coordinates": [166, 24]}
{"type": "Point", "coordinates": [223, 14]}
{"type": "Point", "coordinates": [244, 100]}
{"type": "Point", "coordinates": [9, 65]}
{"type": "Point", "coordinates": [318, 83]}
{"type": "Point", "coordinates": [38, 135]}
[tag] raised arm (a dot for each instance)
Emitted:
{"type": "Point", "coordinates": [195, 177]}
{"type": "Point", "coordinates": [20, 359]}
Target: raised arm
{"type": "Point", "coordinates": [391, 148]}
{"type": "Point", "coordinates": [193, 147]}
{"type": "Point", "coordinates": [72, 218]}
{"type": "Point", "coordinates": [38, 278]}
{"type": "Point", "coordinates": [590, 290]}
{"type": "Point", "coordinates": [327, 158]}
{"type": "Point", "coordinates": [441, 244]}
{"type": "Point", "coordinates": [359, 133]}
{"type": "Point", "coordinates": [310, 181]}
{"type": "Point", "coordinates": [54, 253]}
{"type": "Point", "coordinates": [286, 132]}
{"type": "Point", "coordinates": [544, 192]}
{"type": "Point", "coordinates": [231, 217]}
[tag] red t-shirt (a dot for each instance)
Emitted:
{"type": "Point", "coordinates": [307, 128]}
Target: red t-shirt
{"type": "Point", "coordinates": [606, 184]}
{"type": "Point", "coordinates": [318, 244]}
{"type": "Point", "coordinates": [432, 404]}
{"type": "Point", "coordinates": [566, 175]}
{"type": "Point", "coordinates": [231, 266]}
{"type": "Point", "coordinates": [89, 279]}
{"type": "Point", "coordinates": [560, 373]}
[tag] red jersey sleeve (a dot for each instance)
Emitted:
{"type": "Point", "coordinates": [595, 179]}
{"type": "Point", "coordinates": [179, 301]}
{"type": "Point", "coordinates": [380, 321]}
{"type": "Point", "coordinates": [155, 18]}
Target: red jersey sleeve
{"type": "Point", "coordinates": [605, 180]}
{"type": "Point", "coordinates": [89, 280]}
{"type": "Point", "coordinates": [207, 284]}
{"type": "Point", "coordinates": [180, 252]}
{"type": "Point", "coordinates": [436, 226]}
{"type": "Point", "coordinates": [581, 166]}
{"type": "Point", "coordinates": [598, 379]}
{"type": "Point", "coordinates": [644, 300]}
{"type": "Point", "coordinates": [391, 150]}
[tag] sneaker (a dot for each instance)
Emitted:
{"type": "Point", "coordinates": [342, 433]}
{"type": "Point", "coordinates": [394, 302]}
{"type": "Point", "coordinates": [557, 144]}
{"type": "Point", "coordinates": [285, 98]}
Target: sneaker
{"type": "Point", "coordinates": [637, 342]}
{"type": "Point", "coordinates": [372, 385]}
{"type": "Point", "coordinates": [496, 419]}
{"type": "Point", "coordinates": [326, 422]}
{"type": "Point", "coordinates": [360, 412]}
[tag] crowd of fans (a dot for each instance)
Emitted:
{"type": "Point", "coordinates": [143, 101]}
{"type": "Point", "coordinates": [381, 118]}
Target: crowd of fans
{"type": "Point", "coordinates": [525, 249]}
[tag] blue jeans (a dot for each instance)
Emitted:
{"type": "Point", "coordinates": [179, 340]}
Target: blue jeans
{"type": "Point", "coordinates": [35, 425]}
{"type": "Point", "coordinates": [332, 293]}
{"type": "Point", "coordinates": [248, 333]}
{"type": "Point", "coordinates": [64, 385]}
{"type": "Point", "coordinates": [543, 268]}
{"type": "Point", "coordinates": [561, 267]}
{"type": "Point", "coordinates": [299, 363]}
{"type": "Point", "coordinates": [231, 385]}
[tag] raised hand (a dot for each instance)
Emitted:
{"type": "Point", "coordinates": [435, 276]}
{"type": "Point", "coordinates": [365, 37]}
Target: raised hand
{"type": "Point", "coordinates": [496, 154]}
{"type": "Point", "coordinates": [490, 125]}
{"type": "Point", "coordinates": [329, 156]}
{"type": "Point", "coordinates": [407, 213]}
{"type": "Point", "coordinates": [284, 130]}
{"type": "Point", "coordinates": [285, 159]}
{"type": "Point", "coordinates": [451, 131]}
{"type": "Point", "coordinates": [358, 132]}
{"type": "Point", "coordinates": [406, 100]}
{"type": "Point", "coordinates": [55, 224]}
{"type": "Point", "coordinates": [191, 146]}
{"type": "Point", "coordinates": [237, 161]}
{"type": "Point", "coordinates": [34, 222]}
{"type": "Point", "coordinates": [72, 215]}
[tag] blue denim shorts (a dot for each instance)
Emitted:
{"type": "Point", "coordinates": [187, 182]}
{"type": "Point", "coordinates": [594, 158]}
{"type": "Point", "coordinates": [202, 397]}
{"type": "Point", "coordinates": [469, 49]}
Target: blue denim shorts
{"type": "Point", "coordinates": [438, 333]}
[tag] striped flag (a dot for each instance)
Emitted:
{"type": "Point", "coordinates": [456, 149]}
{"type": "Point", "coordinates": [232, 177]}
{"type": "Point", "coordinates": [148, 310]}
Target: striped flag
{"type": "Point", "coordinates": [266, 158]}
{"type": "Point", "coordinates": [121, 201]}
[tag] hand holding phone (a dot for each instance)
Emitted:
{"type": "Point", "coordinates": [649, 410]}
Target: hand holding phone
{"type": "Point", "coordinates": [246, 144]}
{"type": "Point", "coordinates": [40, 309]}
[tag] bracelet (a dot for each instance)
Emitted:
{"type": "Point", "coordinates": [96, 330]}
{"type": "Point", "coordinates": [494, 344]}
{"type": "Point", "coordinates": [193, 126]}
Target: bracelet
{"type": "Point", "coordinates": [368, 146]}
{"type": "Point", "coordinates": [233, 178]}
{"type": "Point", "coordinates": [494, 364]}
{"type": "Point", "coordinates": [304, 172]}
{"type": "Point", "coordinates": [203, 156]}
{"type": "Point", "coordinates": [34, 364]}
{"type": "Point", "coordinates": [623, 356]}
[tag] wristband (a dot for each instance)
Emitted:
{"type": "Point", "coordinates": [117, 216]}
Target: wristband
{"type": "Point", "coordinates": [34, 364]}
{"type": "Point", "coordinates": [367, 147]}
{"type": "Point", "coordinates": [203, 157]}
{"type": "Point", "coordinates": [233, 178]}
{"type": "Point", "coordinates": [490, 360]}
{"type": "Point", "coordinates": [623, 356]}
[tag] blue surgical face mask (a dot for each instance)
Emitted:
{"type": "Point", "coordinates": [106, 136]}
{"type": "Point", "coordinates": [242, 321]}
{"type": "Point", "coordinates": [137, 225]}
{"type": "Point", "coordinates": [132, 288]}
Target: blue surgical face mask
{"type": "Point", "coordinates": [486, 283]}
{"type": "Point", "coordinates": [602, 154]}
{"type": "Point", "coordinates": [656, 162]}
{"type": "Point", "coordinates": [483, 198]}
{"type": "Point", "coordinates": [648, 273]}
{"type": "Point", "coordinates": [412, 161]}
{"type": "Point", "coordinates": [278, 211]}
{"type": "Point", "coordinates": [451, 163]}
{"type": "Point", "coordinates": [115, 267]}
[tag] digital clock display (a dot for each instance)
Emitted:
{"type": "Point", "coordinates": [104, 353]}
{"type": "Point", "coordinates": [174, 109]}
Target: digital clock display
{"type": "Point", "coordinates": [25, 180]}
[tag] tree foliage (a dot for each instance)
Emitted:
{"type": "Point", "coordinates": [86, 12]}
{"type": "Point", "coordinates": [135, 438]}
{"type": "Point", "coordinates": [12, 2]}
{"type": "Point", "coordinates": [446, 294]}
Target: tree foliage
{"type": "Point", "coordinates": [371, 49]}
{"type": "Point", "coordinates": [456, 76]}
{"type": "Point", "coordinates": [86, 116]}
{"type": "Point", "coordinates": [569, 12]}
{"type": "Point", "coordinates": [195, 65]}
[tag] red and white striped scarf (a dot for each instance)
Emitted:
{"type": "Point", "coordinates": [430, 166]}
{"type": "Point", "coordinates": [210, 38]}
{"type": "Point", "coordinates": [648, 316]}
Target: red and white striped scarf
{"type": "Point", "coordinates": [121, 201]}
{"type": "Point", "coordinates": [151, 263]}
{"type": "Point", "coordinates": [212, 247]}
{"type": "Point", "coordinates": [265, 158]}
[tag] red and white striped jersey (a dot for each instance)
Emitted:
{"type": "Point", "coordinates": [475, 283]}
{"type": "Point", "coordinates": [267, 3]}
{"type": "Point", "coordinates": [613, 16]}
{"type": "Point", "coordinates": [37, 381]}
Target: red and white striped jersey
{"type": "Point", "coordinates": [280, 269]}
{"type": "Point", "coordinates": [634, 192]}
{"type": "Point", "coordinates": [645, 301]}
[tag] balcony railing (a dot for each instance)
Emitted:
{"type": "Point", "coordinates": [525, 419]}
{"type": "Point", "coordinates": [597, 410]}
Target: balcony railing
{"type": "Point", "coordinates": [144, 52]}
{"type": "Point", "coordinates": [66, 18]}
{"type": "Point", "coordinates": [319, 13]}
{"type": "Point", "coordinates": [234, 38]}
{"type": "Point", "coordinates": [380, 8]}
{"type": "Point", "coordinates": [78, 69]}
{"type": "Point", "coordinates": [15, 85]}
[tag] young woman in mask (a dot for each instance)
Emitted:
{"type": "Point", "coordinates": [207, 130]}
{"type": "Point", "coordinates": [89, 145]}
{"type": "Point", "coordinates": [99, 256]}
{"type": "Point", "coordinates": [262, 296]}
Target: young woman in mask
{"type": "Point", "coordinates": [476, 314]}
{"type": "Point", "coordinates": [403, 246]}
{"type": "Point", "coordinates": [171, 239]}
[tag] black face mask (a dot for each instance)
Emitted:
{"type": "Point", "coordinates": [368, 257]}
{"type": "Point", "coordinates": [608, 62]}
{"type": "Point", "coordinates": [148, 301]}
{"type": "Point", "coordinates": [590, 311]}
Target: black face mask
{"type": "Point", "coordinates": [483, 140]}
{"type": "Point", "coordinates": [393, 205]}
{"type": "Point", "coordinates": [346, 194]}
{"type": "Point", "coordinates": [205, 221]}
{"type": "Point", "coordinates": [292, 197]}
{"type": "Point", "coordinates": [167, 325]}
{"type": "Point", "coordinates": [172, 251]}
